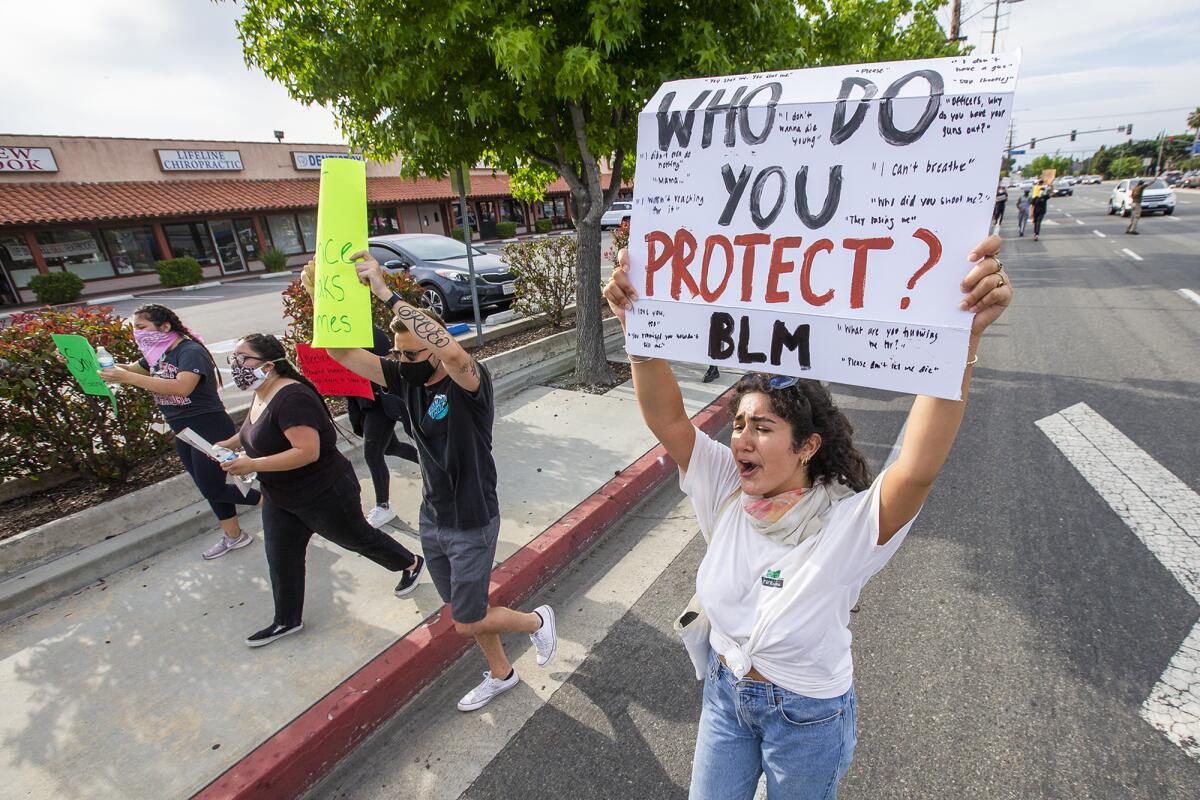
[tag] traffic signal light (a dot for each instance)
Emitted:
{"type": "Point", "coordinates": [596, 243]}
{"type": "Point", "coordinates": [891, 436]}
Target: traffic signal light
{"type": "Point", "coordinates": [1033, 144]}
{"type": "Point", "coordinates": [1129, 129]}
{"type": "Point", "coordinates": [1072, 136]}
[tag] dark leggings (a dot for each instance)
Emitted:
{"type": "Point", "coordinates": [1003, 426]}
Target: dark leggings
{"type": "Point", "coordinates": [208, 475]}
{"type": "Point", "coordinates": [1037, 221]}
{"type": "Point", "coordinates": [379, 440]}
{"type": "Point", "coordinates": [335, 512]}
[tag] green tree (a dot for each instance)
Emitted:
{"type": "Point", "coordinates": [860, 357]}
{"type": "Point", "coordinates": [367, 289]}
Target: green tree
{"type": "Point", "coordinates": [1061, 164]}
{"type": "Point", "coordinates": [1193, 120]}
{"type": "Point", "coordinates": [1125, 167]}
{"type": "Point", "coordinates": [549, 84]}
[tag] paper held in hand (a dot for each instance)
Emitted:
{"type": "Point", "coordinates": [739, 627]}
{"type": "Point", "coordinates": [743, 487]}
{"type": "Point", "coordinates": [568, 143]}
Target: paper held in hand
{"type": "Point", "coordinates": [817, 222]}
{"type": "Point", "coordinates": [244, 483]}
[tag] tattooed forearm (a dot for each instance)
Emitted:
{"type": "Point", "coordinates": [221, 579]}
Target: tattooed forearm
{"type": "Point", "coordinates": [423, 327]}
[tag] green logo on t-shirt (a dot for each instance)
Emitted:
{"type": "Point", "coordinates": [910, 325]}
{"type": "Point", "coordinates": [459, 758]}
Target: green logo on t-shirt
{"type": "Point", "coordinates": [772, 579]}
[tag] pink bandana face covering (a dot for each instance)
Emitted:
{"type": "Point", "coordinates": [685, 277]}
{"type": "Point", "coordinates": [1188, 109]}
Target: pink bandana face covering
{"type": "Point", "coordinates": [766, 511]}
{"type": "Point", "coordinates": [154, 343]}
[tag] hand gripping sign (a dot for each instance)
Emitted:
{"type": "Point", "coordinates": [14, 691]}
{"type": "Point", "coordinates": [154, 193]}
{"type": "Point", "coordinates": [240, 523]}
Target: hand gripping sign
{"type": "Point", "coordinates": [341, 305]}
{"type": "Point", "coordinates": [81, 362]}
{"type": "Point", "coordinates": [817, 222]}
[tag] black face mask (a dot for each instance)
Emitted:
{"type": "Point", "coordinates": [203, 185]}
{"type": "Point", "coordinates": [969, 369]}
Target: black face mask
{"type": "Point", "coordinates": [417, 373]}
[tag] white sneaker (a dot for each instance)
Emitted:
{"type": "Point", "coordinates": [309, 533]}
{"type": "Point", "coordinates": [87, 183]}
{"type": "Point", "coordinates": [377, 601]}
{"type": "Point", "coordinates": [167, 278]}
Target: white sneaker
{"type": "Point", "coordinates": [544, 639]}
{"type": "Point", "coordinates": [379, 516]}
{"type": "Point", "coordinates": [227, 545]}
{"type": "Point", "coordinates": [482, 694]}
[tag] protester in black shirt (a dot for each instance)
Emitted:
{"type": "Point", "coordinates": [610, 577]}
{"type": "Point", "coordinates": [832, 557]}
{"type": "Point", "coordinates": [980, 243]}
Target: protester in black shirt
{"type": "Point", "coordinates": [308, 485]}
{"type": "Point", "coordinates": [183, 377]}
{"type": "Point", "coordinates": [451, 411]}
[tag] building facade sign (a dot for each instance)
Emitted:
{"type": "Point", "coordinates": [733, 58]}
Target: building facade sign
{"type": "Point", "coordinates": [200, 160]}
{"type": "Point", "coordinates": [27, 159]}
{"type": "Point", "coordinates": [312, 160]}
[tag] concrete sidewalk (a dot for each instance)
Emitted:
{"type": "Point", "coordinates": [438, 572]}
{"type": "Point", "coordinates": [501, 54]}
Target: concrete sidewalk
{"type": "Point", "coordinates": [140, 686]}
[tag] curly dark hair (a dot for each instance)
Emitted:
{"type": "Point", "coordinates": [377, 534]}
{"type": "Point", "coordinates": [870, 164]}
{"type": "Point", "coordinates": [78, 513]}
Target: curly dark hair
{"type": "Point", "coordinates": [808, 408]}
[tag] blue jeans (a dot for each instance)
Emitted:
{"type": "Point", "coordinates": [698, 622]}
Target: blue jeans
{"type": "Point", "coordinates": [748, 727]}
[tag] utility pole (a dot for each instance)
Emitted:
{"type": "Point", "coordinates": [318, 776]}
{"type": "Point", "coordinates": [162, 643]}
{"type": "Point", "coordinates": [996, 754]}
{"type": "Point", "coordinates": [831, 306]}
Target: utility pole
{"type": "Point", "coordinates": [955, 11]}
{"type": "Point", "coordinates": [1162, 137]}
{"type": "Point", "coordinates": [1009, 160]}
{"type": "Point", "coordinates": [995, 25]}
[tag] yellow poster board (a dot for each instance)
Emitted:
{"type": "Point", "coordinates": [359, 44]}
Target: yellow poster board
{"type": "Point", "coordinates": [341, 304]}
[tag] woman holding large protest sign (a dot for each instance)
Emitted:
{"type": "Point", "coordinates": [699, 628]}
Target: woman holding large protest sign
{"type": "Point", "coordinates": [308, 485]}
{"type": "Point", "coordinates": [178, 369]}
{"type": "Point", "coordinates": [795, 526]}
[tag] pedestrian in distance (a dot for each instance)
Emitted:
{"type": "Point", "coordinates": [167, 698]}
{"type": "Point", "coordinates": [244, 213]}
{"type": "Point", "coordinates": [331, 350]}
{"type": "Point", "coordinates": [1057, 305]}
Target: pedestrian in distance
{"type": "Point", "coordinates": [998, 209]}
{"type": "Point", "coordinates": [374, 419]}
{"type": "Point", "coordinates": [1023, 203]}
{"type": "Point", "coordinates": [451, 408]}
{"type": "Point", "coordinates": [1041, 194]}
{"type": "Point", "coordinates": [1135, 196]}
{"type": "Point", "coordinates": [309, 487]}
{"type": "Point", "coordinates": [180, 372]}
{"type": "Point", "coordinates": [795, 526]}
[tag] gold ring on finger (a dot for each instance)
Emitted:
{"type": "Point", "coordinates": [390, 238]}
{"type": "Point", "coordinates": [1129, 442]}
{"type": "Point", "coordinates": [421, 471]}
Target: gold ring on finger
{"type": "Point", "coordinates": [999, 264]}
{"type": "Point", "coordinates": [1002, 280]}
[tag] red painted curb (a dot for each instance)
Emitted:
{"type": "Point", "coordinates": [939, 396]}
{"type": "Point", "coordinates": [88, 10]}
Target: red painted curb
{"type": "Point", "coordinates": [300, 753]}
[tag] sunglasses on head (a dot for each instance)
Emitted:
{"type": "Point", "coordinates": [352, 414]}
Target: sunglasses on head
{"type": "Point", "coordinates": [782, 382]}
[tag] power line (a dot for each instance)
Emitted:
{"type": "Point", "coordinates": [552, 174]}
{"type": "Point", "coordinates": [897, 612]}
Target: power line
{"type": "Point", "coordinates": [1117, 114]}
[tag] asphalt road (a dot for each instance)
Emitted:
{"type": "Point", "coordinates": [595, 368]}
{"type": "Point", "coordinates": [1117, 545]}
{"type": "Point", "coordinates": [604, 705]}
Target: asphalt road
{"type": "Point", "coordinates": [1006, 651]}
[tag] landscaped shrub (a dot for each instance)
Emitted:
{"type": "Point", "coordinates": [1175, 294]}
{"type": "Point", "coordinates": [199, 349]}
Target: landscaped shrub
{"type": "Point", "coordinates": [183, 271]}
{"type": "Point", "coordinates": [545, 270]}
{"type": "Point", "coordinates": [542, 225]}
{"type": "Point", "coordinates": [620, 239]}
{"type": "Point", "coordinates": [274, 259]}
{"type": "Point", "coordinates": [457, 233]}
{"type": "Point", "coordinates": [506, 230]}
{"type": "Point", "coordinates": [49, 421]}
{"type": "Point", "coordinates": [56, 287]}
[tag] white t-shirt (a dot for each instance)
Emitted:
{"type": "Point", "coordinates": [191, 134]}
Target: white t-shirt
{"type": "Point", "coordinates": [785, 610]}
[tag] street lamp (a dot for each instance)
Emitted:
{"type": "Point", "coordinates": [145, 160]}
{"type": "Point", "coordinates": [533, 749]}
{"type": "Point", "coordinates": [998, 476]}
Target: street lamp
{"type": "Point", "coordinates": [279, 136]}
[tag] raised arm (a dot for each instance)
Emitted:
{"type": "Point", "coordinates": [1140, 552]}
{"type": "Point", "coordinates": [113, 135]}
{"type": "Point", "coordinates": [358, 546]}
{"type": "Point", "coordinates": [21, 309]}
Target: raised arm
{"type": "Point", "coordinates": [181, 385]}
{"type": "Point", "coordinates": [459, 364]}
{"type": "Point", "coordinates": [933, 422]}
{"type": "Point", "coordinates": [654, 383]}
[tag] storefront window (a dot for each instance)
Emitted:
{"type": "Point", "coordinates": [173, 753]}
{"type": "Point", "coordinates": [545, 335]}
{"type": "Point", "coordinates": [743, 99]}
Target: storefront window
{"type": "Point", "coordinates": [284, 233]}
{"type": "Point", "coordinates": [308, 227]}
{"type": "Point", "coordinates": [191, 239]}
{"type": "Point", "coordinates": [75, 250]}
{"type": "Point", "coordinates": [248, 237]}
{"type": "Point", "coordinates": [511, 211]}
{"type": "Point", "coordinates": [458, 216]}
{"type": "Point", "coordinates": [382, 221]}
{"type": "Point", "coordinates": [132, 249]}
{"type": "Point", "coordinates": [18, 263]}
{"type": "Point", "coordinates": [555, 209]}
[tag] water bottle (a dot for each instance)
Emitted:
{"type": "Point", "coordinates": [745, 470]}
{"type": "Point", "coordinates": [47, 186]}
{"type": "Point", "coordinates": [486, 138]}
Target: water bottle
{"type": "Point", "coordinates": [104, 359]}
{"type": "Point", "coordinates": [224, 454]}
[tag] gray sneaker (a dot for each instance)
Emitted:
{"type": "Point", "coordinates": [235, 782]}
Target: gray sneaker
{"type": "Point", "coordinates": [482, 694]}
{"type": "Point", "coordinates": [224, 545]}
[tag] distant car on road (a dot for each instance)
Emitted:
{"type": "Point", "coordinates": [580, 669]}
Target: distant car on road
{"type": "Point", "coordinates": [620, 211]}
{"type": "Point", "coordinates": [1090, 179]}
{"type": "Point", "coordinates": [1061, 188]}
{"type": "Point", "coordinates": [1172, 177]}
{"type": "Point", "coordinates": [1026, 185]}
{"type": "Point", "coordinates": [1157, 197]}
{"type": "Point", "coordinates": [439, 266]}
{"type": "Point", "coordinates": [1191, 180]}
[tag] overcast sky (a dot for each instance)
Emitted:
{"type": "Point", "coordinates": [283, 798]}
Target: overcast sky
{"type": "Point", "coordinates": [174, 69]}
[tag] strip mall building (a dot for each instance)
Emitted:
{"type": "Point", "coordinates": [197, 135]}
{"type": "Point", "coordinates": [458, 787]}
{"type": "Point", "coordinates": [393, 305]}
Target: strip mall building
{"type": "Point", "coordinates": [107, 209]}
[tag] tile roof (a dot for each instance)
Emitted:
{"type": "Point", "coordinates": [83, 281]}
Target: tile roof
{"type": "Point", "coordinates": [50, 202]}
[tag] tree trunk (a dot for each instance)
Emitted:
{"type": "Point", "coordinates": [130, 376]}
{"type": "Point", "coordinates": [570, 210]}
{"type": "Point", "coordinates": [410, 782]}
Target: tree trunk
{"type": "Point", "coordinates": [591, 363]}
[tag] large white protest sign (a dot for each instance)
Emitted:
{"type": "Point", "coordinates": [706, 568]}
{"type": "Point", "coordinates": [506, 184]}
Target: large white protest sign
{"type": "Point", "coordinates": [817, 222]}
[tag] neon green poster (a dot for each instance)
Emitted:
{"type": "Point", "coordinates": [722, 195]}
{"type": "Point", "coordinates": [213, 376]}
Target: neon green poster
{"type": "Point", "coordinates": [342, 305]}
{"type": "Point", "coordinates": [82, 363]}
